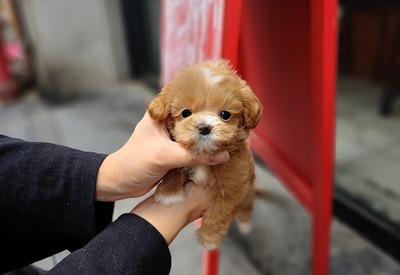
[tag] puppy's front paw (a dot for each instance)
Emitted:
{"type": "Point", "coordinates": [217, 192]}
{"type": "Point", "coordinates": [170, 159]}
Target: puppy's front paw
{"type": "Point", "coordinates": [170, 199]}
{"type": "Point", "coordinates": [208, 241]}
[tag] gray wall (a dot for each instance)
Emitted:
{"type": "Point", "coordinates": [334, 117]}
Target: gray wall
{"type": "Point", "coordinates": [78, 45]}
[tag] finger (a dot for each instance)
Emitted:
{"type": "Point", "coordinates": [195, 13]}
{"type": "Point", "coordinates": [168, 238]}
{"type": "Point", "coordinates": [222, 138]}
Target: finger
{"type": "Point", "coordinates": [182, 157]}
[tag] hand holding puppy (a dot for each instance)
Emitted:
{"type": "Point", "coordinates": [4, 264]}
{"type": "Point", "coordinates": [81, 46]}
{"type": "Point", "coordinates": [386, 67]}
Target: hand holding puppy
{"type": "Point", "coordinates": [169, 220]}
{"type": "Point", "coordinates": [146, 157]}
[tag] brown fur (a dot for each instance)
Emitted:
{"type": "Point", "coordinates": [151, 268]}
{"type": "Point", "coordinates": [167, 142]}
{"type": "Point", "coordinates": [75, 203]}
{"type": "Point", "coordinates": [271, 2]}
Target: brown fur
{"type": "Point", "coordinates": [206, 89]}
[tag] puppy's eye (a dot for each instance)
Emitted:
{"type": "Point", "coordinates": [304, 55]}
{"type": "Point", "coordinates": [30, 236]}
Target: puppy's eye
{"type": "Point", "coordinates": [225, 115]}
{"type": "Point", "coordinates": [186, 113]}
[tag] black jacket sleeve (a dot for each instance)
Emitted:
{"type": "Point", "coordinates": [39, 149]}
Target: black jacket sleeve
{"type": "Point", "coordinates": [47, 205]}
{"type": "Point", "coordinates": [130, 245]}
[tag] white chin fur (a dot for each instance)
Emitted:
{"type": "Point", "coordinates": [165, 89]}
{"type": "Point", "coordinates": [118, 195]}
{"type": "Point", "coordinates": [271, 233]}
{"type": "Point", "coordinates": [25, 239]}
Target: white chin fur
{"type": "Point", "coordinates": [206, 145]}
{"type": "Point", "coordinates": [169, 200]}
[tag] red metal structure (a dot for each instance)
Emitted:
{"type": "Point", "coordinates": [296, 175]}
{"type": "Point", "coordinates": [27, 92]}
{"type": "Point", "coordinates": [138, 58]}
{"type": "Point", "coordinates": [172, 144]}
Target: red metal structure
{"type": "Point", "coordinates": [286, 51]}
{"type": "Point", "coordinates": [290, 62]}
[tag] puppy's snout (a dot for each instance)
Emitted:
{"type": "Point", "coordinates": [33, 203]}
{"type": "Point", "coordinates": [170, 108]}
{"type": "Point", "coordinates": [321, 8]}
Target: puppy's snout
{"type": "Point", "coordinates": [204, 129]}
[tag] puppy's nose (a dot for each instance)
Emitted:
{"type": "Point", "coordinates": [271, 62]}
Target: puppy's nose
{"type": "Point", "coordinates": [204, 129]}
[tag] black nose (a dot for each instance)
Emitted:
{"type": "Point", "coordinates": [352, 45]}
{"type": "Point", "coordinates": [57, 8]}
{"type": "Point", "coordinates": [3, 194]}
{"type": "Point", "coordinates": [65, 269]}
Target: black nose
{"type": "Point", "coordinates": [204, 129]}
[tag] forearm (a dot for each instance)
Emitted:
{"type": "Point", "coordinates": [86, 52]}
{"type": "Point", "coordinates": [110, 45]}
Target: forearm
{"type": "Point", "coordinates": [47, 199]}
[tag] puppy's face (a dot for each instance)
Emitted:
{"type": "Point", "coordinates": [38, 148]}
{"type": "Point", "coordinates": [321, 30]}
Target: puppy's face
{"type": "Point", "coordinates": [208, 108]}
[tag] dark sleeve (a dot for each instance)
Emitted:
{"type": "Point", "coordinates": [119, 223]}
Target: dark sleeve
{"type": "Point", "coordinates": [130, 245]}
{"type": "Point", "coordinates": [46, 200]}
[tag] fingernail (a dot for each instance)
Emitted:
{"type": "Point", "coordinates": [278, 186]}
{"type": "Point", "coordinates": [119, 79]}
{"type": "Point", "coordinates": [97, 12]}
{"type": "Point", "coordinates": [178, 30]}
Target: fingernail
{"type": "Point", "coordinates": [219, 158]}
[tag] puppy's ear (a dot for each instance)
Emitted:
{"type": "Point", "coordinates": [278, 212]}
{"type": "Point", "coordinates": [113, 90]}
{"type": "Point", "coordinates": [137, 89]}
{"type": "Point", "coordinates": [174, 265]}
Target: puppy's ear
{"type": "Point", "coordinates": [159, 107]}
{"type": "Point", "coordinates": [252, 108]}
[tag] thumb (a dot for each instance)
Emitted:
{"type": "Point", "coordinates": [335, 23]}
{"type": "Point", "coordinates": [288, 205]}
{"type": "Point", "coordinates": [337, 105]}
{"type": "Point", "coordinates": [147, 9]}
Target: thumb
{"type": "Point", "coordinates": [219, 158]}
{"type": "Point", "coordinates": [183, 157]}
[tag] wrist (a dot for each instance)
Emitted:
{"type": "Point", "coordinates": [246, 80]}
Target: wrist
{"type": "Point", "coordinates": [106, 179]}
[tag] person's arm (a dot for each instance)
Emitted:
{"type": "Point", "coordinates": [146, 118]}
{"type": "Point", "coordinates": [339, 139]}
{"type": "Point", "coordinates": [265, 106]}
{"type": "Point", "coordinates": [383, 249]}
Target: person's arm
{"type": "Point", "coordinates": [139, 240]}
{"type": "Point", "coordinates": [48, 205]}
{"type": "Point", "coordinates": [46, 200]}
{"type": "Point", "coordinates": [48, 193]}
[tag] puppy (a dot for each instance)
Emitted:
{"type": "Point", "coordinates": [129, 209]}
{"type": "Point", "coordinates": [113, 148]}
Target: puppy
{"type": "Point", "coordinates": [209, 109]}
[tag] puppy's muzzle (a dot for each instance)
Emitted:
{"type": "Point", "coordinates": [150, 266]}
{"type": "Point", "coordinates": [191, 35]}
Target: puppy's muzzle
{"type": "Point", "coordinates": [204, 129]}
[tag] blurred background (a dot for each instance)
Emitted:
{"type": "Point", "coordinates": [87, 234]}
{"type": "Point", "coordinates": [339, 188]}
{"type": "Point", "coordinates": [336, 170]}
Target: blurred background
{"type": "Point", "coordinates": [80, 74]}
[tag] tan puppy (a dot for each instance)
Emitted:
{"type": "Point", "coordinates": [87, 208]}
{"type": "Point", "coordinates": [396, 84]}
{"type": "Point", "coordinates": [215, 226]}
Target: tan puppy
{"type": "Point", "coordinates": [209, 109]}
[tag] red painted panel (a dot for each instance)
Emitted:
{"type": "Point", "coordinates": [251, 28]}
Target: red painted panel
{"type": "Point", "coordinates": [192, 31]}
{"type": "Point", "coordinates": [274, 57]}
{"type": "Point", "coordinates": [287, 54]}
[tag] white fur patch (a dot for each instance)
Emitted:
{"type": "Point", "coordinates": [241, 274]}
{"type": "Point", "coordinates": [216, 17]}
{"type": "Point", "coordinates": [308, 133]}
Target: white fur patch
{"type": "Point", "coordinates": [170, 200]}
{"type": "Point", "coordinates": [211, 77]}
{"type": "Point", "coordinates": [199, 174]}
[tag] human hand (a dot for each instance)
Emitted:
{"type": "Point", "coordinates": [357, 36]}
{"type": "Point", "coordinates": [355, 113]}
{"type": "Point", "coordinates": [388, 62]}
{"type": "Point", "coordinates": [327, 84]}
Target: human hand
{"type": "Point", "coordinates": [169, 220]}
{"type": "Point", "coordinates": [140, 164]}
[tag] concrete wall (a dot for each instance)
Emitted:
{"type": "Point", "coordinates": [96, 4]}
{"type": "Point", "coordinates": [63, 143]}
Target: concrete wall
{"type": "Point", "coordinates": [78, 45]}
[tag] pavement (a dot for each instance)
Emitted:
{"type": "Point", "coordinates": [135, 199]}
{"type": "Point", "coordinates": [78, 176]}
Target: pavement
{"type": "Point", "coordinates": [101, 121]}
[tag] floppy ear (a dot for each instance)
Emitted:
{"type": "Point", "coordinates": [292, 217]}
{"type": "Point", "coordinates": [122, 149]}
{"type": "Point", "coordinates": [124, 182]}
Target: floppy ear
{"type": "Point", "coordinates": [252, 108]}
{"type": "Point", "coordinates": [159, 107]}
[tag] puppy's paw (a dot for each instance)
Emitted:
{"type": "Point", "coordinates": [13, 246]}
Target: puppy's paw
{"type": "Point", "coordinates": [209, 245]}
{"type": "Point", "coordinates": [244, 227]}
{"type": "Point", "coordinates": [208, 241]}
{"type": "Point", "coordinates": [170, 199]}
